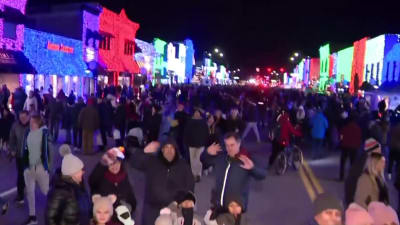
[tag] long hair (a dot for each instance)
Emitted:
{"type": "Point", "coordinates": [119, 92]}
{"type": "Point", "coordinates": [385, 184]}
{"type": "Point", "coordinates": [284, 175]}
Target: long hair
{"type": "Point", "coordinates": [372, 162]}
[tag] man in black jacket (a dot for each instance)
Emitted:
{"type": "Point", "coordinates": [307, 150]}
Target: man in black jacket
{"type": "Point", "coordinates": [166, 174]}
{"type": "Point", "coordinates": [233, 170]}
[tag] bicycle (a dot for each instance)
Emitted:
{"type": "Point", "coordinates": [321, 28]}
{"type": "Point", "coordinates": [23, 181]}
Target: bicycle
{"type": "Point", "coordinates": [290, 156]}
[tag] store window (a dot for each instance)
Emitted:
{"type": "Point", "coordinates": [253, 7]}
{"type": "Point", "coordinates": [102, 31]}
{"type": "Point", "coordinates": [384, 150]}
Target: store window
{"type": "Point", "coordinates": [105, 42]}
{"type": "Point", "coordinates": [128, 50]}
{"type": "Point", "coordinates": [10, 30]}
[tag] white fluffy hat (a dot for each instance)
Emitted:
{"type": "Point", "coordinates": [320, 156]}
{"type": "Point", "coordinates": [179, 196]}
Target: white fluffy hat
{"type": "Point", "coordinates": [70, 163]}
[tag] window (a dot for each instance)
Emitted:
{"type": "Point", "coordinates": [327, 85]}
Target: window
{"type": "Point", "coordinates": [105, 42]}
{"type": "Point", "coordinates": [10, 30]}
{"type": "Point", "coordinates": [128, 50]}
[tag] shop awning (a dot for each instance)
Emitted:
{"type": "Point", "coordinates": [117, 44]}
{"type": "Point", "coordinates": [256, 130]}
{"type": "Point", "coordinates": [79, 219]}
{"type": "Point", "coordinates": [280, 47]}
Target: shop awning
{"type": "Point", "coordinates": [131, 67]}
{"type": "Point", "coordinates": [13, 15]}
{"type": "Point", "coordinates": [14, 62]}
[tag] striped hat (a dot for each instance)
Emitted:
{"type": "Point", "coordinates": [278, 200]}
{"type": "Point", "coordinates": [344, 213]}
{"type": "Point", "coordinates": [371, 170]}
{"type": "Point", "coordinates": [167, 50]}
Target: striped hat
{"type": "Point", "coordinates": [371, 144]}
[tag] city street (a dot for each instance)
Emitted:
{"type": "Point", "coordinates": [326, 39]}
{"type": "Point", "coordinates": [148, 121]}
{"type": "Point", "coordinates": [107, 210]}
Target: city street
{"type": "Point", "coordinates": [277, 200]}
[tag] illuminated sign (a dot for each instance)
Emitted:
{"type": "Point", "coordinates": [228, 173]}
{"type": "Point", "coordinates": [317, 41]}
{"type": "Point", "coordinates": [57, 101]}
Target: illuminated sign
{"type": "Point", "coordinates": [6, 58]}
{"type": "Point", "coordinates": [60, 47]}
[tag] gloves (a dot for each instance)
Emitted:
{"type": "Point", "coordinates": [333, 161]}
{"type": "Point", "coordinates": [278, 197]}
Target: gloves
{"type": "Point", "coordinates": [124, 216]}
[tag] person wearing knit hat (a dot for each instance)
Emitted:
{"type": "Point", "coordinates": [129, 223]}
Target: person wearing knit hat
{"type": "Point", "coordinates": [103, 210]}
{"type": "Point", "coordinates": [370, 146]}
{"type": "Point", "coordinates": [161, 166]}
{"type": "Point", "coordinates": [68, 202]}
{"type": "Point", "coordinates": [110, 177]}
{"type": "Point", "coordinates": [357, 215]}
{"type": "Point", "coordinates": [383, 214]}
{"type": "Point", "coordinates": [327, 210]}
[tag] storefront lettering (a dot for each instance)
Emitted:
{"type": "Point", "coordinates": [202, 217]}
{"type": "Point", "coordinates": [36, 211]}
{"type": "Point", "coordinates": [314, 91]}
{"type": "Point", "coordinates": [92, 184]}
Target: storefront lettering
{"type": "Point", "coordinates": [6, 58]}
{"type": "Point", "coordinates": [60, 47]}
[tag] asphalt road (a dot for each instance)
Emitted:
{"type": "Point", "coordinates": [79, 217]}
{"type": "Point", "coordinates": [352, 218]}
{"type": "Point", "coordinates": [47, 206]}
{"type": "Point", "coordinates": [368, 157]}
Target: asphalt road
{"type": "Point", "coordinates": [277, 200]}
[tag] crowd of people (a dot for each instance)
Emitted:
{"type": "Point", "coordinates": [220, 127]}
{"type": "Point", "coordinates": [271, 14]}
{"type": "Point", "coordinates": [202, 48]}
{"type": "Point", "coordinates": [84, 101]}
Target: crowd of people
{"type": "Point", "coordinates": [175, 135]}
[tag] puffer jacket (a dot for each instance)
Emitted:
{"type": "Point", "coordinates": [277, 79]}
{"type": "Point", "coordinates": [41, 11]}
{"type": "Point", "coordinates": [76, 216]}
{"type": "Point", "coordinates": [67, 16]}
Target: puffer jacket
{"type": "Point", "coordinates": [68, 203]}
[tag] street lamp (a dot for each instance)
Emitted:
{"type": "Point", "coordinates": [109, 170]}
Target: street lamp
{"type": "Point", "coordinates": [257, 69]}
{"type": "Point", "coordinates": [216, 50]}
{"type": "Point", "coordinates": [209, 54]}
{"type": "Point", "coordinates": [291, 59]}
{"type": "Point", "coordinates": [296, 54]}
{"type": "Point", "coordinates": [221, 54]}
{"type": "Point", "coordinates": [238, 70]}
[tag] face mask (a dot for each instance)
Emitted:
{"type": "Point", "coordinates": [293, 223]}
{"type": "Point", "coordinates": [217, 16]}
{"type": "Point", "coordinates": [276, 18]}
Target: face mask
{"type": "Point", "coordinates": [188, 216]}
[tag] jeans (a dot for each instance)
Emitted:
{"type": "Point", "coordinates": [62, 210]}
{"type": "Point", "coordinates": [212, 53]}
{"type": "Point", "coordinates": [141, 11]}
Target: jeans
{"type": "Point", "coordinates": [32, 175]}
{"type": "Point", "coordinates": [20, 178]}
{"type": "Point", "coordinates": [251, 125]}
{"type": "Point", "coordinates": [197, 166]}
{"type": "Point", "coordinates": [317, 148]}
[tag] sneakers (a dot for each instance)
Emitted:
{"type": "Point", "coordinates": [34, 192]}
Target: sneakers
{"type": "Point", "coordinates": [4, 209]}
{"type": "Point", "coordinates": [19, 201]}
{"type": "Point", "coordinates": [31, 221]}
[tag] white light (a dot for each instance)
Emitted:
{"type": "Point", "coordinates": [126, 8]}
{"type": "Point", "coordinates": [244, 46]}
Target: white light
{"type": "Point", "coordinates": [139, 75]}
{"type": "Point", "coordinates": [29, 77]}
{"type": "Point", "coordinates": [54, 86]}
{"type": "Point", "coordinates": [261, 103]}
{"type": "Point", "coordinates": [75, 79]}
{"type": "Point", "coordinates": [291, 59]}
{"type": "Point", "coordinates": [221, 54]}
{"type": "Point", "coordinates": [258, 69]}
{"type": "Point", "coordinates": [376, 86]}
{"type": "Point", "coordinates": [296, 54]}
{"type": "Point", "coordinates": [66, 79]}
{"type": "Point", "coordinates": [209, 54]}
{"type": "Point", "coordinates": [236, 78]}
{"type": "Point", "coordinates": [238, 70]}
{"type": "Point", "coordinates": [89, 54]}
{"type": "Point", "coordinates": [87, 71]}
{"type": "Point", "coordinates": [216, 50]}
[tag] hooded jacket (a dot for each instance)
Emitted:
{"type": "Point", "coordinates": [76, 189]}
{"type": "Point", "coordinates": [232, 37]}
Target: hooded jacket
{"type": "Point", "coordinates": [196, 133]}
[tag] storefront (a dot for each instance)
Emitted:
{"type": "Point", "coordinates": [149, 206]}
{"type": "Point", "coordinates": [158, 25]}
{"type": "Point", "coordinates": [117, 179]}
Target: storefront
{"type": "Point", "coordinates": [58, 62]}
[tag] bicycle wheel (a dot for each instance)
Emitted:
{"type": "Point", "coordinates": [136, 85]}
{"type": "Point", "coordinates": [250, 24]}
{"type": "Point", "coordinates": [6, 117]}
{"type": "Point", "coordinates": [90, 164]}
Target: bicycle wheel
{"type": "Point", "coordinates": [297, 157]}
{"type": "Point", "coordinates": [281, 164]}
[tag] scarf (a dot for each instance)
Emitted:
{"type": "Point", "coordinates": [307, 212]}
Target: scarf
{"type": "Point", "coordinates": [115, 178]}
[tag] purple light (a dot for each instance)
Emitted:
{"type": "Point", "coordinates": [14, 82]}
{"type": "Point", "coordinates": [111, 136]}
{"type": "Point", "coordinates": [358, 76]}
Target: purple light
{"type": "Point", "coordinates": [91, 46]}
{"type": "Point", "coordinates": [9, 43]}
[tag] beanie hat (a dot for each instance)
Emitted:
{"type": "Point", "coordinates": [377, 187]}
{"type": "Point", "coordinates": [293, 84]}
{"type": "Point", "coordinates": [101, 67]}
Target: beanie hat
{"type": "Point", "coordinates": [371, 144]}
{"type": "Point", "coordinates": [113, 155]}
{"type": "Point", "coordinates": [382, 214]}
{"type": "Point", "coordinates": [103, 202]}
{"type": "Point", "coordinates": [357, 215]}
{"type": "Point", "coordinates": [235, 198]}
{"type": "Point", "coordinates": [182, 196]}
{"type": "Point", "coordinates": [70, 163]}
{"type": "Point", "coordinates": [326, 201]}
{"type": "Point", "coordinates": [170, 141]}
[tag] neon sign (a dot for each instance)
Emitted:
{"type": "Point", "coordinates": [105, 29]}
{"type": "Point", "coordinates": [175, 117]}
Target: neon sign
{"type": "Point", "coordinates": [60, 47]}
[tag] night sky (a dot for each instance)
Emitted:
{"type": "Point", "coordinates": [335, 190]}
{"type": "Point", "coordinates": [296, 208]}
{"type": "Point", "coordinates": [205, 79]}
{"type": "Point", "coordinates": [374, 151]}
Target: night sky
{"type": "Point", "coordinates": [258, 33]}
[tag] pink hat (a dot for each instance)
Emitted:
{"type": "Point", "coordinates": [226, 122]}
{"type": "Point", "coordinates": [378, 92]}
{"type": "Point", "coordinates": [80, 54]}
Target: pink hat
{"type": "Point", "coordinates": [382, 214]}
{"type": "Point", "coordinates": [357, 215]}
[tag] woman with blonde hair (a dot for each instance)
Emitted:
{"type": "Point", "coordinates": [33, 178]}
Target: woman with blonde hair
{"type": "Point", "coordinates": [371, 186]}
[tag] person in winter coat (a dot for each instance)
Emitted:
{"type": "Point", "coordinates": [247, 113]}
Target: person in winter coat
{"type": "Point", "coordinates": [76, 130]}
{"type": "Point", "coordinates": [371, 186]}
{"type": "Point", "coordinates": [16, 143]}
{"type": "Point", "coordinates": [178, 131]}
{"type": "Point", "coordinates": [67, 122]}
{"type": "Point", "coordinates": [357, 169]}
{"type": "Point", "coordinates": [181, 211]}
{"type": "Point", "coordinates": [328, 210]}
{"type": "Point", "coordinates": [89, 122]}
{"type": "Point", "coordinates": [106, 114]}
{"type": "Point", "coordinates": [285, 133]}
{"type": "Point", "coordinates": [319, 125]}
{"type": "Point", "coordinates": [37, 158]}
{"type": "Point", "coordinates": [196, 137]}
{"type": "Point", "coordinates": [350, 143]}
{"type": "Point", "coordinates": [110, 177]}
{"type": "Point", "coordinates": [152, 123]}
{"type": "Point", "coordinates": [234, 123]}
{"type": "Point", "coordinates": [250, 117]}
{"type": "Point", "coordinates": [19, 100]}
{"type": "Point", "coordinates": [68, 202]}
{"type": "Point", "coordinates": [56, 109]}
{"type": "Point", "coordinates": [103, 210]}
{"type": "Point", "coordinates": [234, 214]}
{"type": "Point", "coordinates": [31, 104]}
{"type": "Point", "coordinates": [233, 170]}
{"type": "Point", "coordinates": [166, 174]}
{"type": "Point", "coordinates": [6, 121]}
